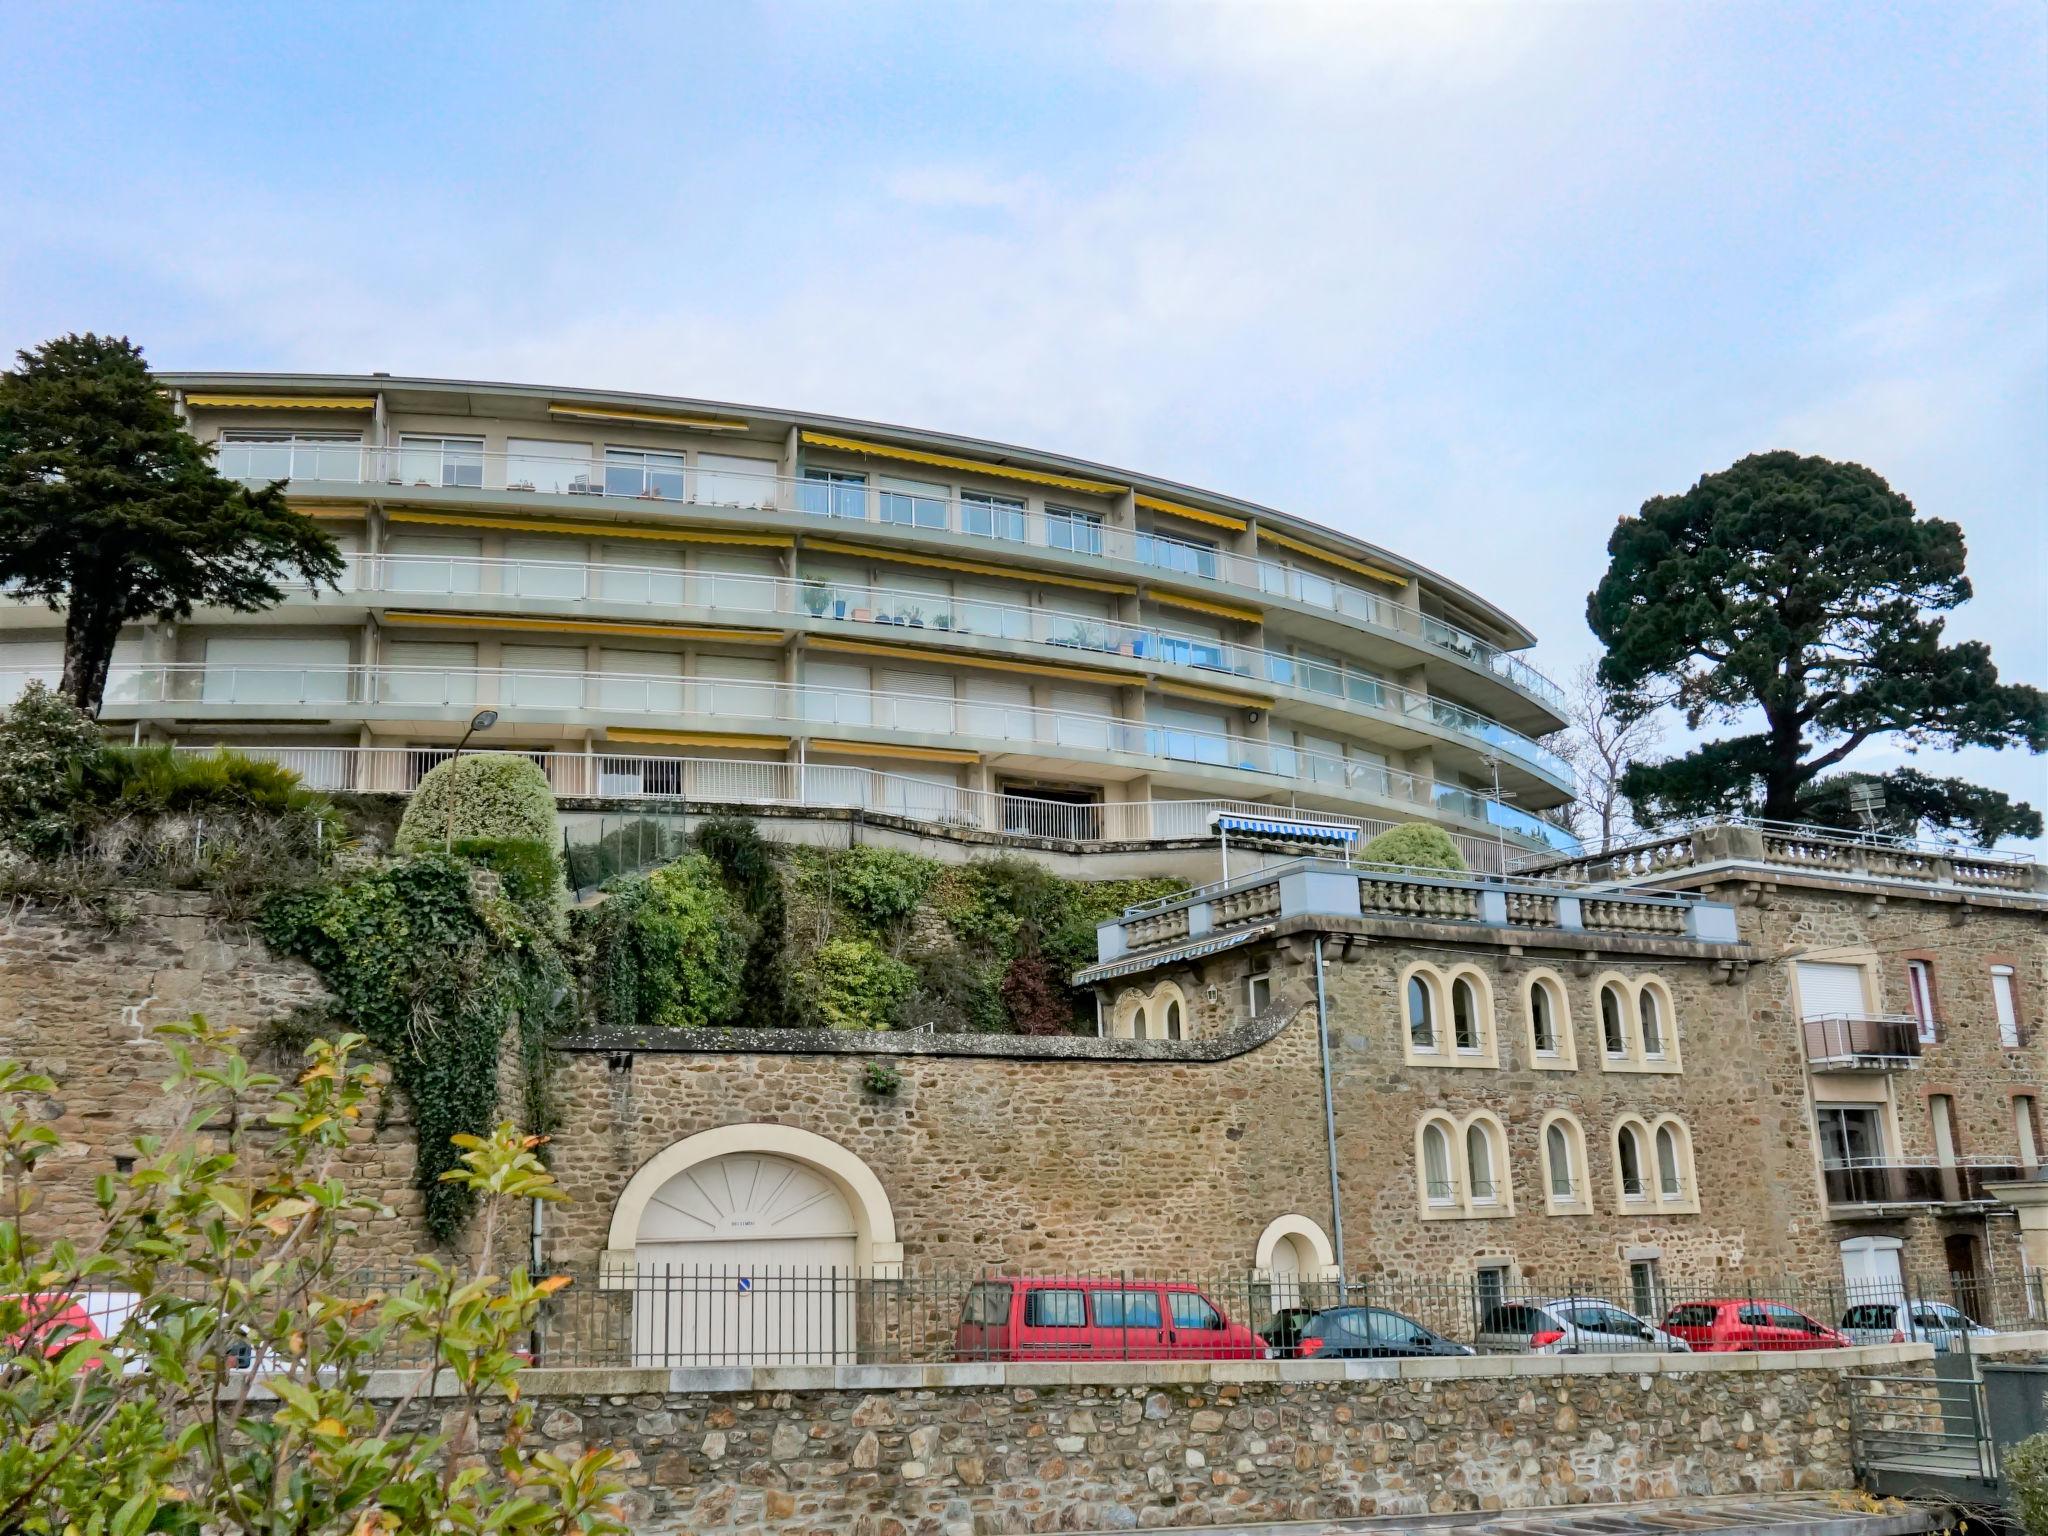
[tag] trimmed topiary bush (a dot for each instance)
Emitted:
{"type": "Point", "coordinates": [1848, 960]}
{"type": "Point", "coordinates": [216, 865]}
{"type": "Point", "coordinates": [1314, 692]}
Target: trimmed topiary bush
{"type": "Point", "coordinates": [496, 794]}
{"type": "Point", "coordinates": [1417, 845]}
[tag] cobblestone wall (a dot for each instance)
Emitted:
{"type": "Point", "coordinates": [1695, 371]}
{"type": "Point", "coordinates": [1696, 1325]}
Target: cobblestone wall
{"type": "Point", "coordinates": [977, 1460]}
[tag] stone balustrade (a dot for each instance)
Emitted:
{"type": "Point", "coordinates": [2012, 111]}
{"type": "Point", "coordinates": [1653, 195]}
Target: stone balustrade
{"type": "Point", "coordinates": [1813, 850]}
{"type": "Point", "coordinates": [1400, 898]}
{"type": "Point", "coordinates": [1607, 916]}
{"type": "Point", "coordinates": [1235, 908]}
{"type": "Point", "coordinates": [1532, 909]}
{"type": "Point", "coordinates": [1156, 928]}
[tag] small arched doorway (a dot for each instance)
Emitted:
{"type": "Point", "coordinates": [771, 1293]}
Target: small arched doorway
{"type": "Point", "coordinates": [1296, 1264]}
{"type": "Point", "coordinates": [750, 1245]}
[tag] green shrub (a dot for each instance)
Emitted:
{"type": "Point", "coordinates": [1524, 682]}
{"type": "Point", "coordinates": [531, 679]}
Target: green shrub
{"type": "Point", "coordinates": [46, 741]}
{"type": "Point", "coordinates": [2026, 1468]}
{"type": "Point", "coordinates": [1416, 845]}
{"type": "Point", "coordinates": [527, 870]}
{"type": "Point", "coordinates": [161, 781]}
{"type": "Point", "coordinates": [1037, 997]}
{"type": "Point", "coordinates": [851, 983]}
{"type": "Point", "coordinates": [666, 949]}
{"type": "Point", "coordinates": [752, 869]}
{"type": "Point", "coordinates": [881, 887]}
{"type": "Point", "coordinates": [495, 794]}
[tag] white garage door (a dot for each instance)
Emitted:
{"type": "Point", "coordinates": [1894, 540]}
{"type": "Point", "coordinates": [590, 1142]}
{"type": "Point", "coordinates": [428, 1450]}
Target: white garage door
{"type": "Point", "coordinates": [747, 1259]}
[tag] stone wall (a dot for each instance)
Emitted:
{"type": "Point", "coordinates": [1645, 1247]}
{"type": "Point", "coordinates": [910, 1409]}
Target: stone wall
{"type": "Point", "coordinates": [78, 1001]}
{"type": "Point", "coordinates": [981, 1450]}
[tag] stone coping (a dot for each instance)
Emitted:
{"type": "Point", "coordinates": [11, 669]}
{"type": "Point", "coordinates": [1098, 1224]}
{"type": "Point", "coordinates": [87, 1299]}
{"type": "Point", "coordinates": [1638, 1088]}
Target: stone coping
{"type": "Point", "coordinates": [714, 1040]}
{"type": "Point", "coordinates": [629, 1381]}
{"type": "Point", "coordinates": [2034, 1342]}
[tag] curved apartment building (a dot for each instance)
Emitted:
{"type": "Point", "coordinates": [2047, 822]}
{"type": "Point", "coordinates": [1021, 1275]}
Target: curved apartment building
{"type": "Point", "coordinates": [663, 597]}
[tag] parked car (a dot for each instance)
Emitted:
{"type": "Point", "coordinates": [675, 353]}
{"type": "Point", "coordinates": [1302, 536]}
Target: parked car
{"type": "Point", "coordinates": [1902, 1322]}
{"type": "Point", "coordinates": [1723, 1325]}
{"type": "Point", "coordinates": [1371, 1333]}
{"type": "Point", "coordinates": [1570, 1325]}
{"type": "Point", "coordinates": [1285, 1330]}
{"type": "Point", "coordinates": [1036, 1318]}
{"type": "Point", "coordinates": [56, 1322]}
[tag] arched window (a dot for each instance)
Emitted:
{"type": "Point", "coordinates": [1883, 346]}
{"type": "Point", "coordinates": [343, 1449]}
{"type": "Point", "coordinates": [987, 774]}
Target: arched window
{"type": "Point", "coordinates": [1557, 1147]}
{"type": "Point", "coordinates": [1613, 1022]}
{"type": "Point", "coordinates": [1652, 1013]}
{"type": "Point", "coordinates": [1421, 1014]}
{"type": "Point", "coordinates": [1542, 1018]}
{"type": "Point", "coordinates": [1670, 1182]}
{"type": "Point", "coordinates": [1139, 1029]}
{"type": "Point", "coordinates": [1479, 1160]}
{"type": "Point", "coordinates": [1465, 1014]}
{"type": "Point", "coordinates": [1436, 1166]}
{"type": "Point", "coordinates": [1173, 1021]}
{"type": "Point", "coordinates": [1628, 1151]}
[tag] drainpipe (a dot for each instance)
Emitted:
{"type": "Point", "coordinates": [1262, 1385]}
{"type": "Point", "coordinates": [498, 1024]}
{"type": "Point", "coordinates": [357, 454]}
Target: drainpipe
{"type": "Point", "coordinates": [1330, 1122]}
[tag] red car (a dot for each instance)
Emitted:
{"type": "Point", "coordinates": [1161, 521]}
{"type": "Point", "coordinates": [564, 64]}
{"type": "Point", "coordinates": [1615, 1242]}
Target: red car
{"type": "Point", "coordinates": [1749, 1324]}
{"type": "Point", "coordinates": [1029, 1318]}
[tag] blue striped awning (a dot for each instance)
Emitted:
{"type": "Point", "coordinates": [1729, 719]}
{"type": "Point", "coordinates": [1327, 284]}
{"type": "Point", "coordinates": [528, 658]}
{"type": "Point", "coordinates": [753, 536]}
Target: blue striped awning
{"type": "Point", "coordinates": [1294, 831]}
{"type": "Point", "coordinates": [1149, 959]}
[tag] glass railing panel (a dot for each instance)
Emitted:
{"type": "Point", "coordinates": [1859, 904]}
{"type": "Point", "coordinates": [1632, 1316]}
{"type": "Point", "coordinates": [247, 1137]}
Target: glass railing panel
{"type": "Point", "coordinates": [542, 690]}
{"type": "Point", "coordinates": [639, 584]}
{"type": "Point", "coordinates": [908, 511]}
{"type": "Point", "coordinates": [832, 498]}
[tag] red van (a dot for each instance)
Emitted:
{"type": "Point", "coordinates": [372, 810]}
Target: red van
{"type": "Point", "coordinates": [1724, 1325]}
{"type": "Point", "coordinates": [1019, 1318]}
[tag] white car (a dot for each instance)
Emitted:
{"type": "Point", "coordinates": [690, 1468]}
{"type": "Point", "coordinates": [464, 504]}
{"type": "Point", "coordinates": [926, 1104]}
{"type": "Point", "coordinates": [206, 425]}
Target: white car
{"type": "Point", "coordinates": [1919, 1322]}
{"type": "Point", "coordinates": [1571, 1325]}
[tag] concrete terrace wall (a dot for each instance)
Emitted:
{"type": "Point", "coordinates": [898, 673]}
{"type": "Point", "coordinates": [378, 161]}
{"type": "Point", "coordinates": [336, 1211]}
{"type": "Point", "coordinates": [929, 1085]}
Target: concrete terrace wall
{"type": "Point", "coordinates": [983, 1450]}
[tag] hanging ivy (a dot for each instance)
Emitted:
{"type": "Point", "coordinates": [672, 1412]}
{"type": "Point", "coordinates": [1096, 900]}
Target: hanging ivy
{"type": "Point", "coordinates": [433, 974]}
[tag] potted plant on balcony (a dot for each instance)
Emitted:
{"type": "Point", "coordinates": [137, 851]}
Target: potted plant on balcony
{"type": "Point", "coordinates": [913, 616]}
{"type": "Point", "coordinates": [817, 597]}
{"type": "Point", "coordinates": [942, 620]}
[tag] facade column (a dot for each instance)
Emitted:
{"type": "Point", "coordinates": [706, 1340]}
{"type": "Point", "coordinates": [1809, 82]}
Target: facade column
{"type": "Point", "coordinates": [2029, 1200]}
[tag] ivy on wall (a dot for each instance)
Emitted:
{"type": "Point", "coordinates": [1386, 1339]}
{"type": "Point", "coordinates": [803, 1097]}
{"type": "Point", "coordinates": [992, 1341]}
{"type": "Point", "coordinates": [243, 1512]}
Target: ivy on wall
{"type": "Point", "coordinates": [434, 971]}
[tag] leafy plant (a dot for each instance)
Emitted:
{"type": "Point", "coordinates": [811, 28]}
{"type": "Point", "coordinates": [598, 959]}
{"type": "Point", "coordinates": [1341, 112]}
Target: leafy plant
{"type": "Point", "coordinates": [2026, 1470]}
{"type": "Point", "coordinates": [433, 977]}
{"type": "Point", "coordinates": [851, 983]}
{"type": "Point", "coordinates": [667, 949]}
{"type": "Point", "coordinates": [228, 1231]}
{"type": "Point", "coordinates": [881, 887]}
{"type": "Point", "coordinates": [493, 794]}
{"type": "Point", "coordinates": [881, 1079]}
{"type": "Point", "coordinates": [1415, 845]}
{"type": "Point", "coordinates": [528, 872]}
{"type": "Point", "coordinates": [160, 780]}
{"type": "Point", "coordinates": [46, 742]}
{"type": "Point", "coordinates": [1038, 999]}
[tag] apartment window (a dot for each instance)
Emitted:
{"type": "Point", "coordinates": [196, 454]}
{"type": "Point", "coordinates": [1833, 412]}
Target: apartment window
{"type": "Point", "coordinates": [1421, 1014]}
{"type": "Point", "coordinates": [1184, 555]}
{"type": "Point", "coordinates": [834, 493]}
{"type": "Point", "coordinates": [1646, 1287]}
{"type": "Point", "coordinates": [2023, 1130]}
{"type": "Point", "coordinates": [291, 455]}
{"type": "Point", "coordinates": [992, 517]}
{"type": "Point", "coordinates": [1259, 993]}
{"type": "Point", "coordinates": [632, 472]}
{"type": "Point", "coordinates": [1613, 1022]}
{"type": "Point", "coordinates": [1652, 1016]}
{"type": "Point", "coordinates": [1920, 992]}
{"type": "Point", "coordinates": [1670, 1184]}
{"type": "Point", "coordinates": [1850, 1137]}
{"type": "Point", "coordinates": [2008, 1010]}
{"type": "Point", "coordinates": [441, 461]}
{"type": "Point", "coordinates": [1479, 1159]}
{"type": "Point", "coordinates": [1465, 1015]}
{"type": "Point", "coordinates": [537, 464]}
{"type": "Point", "coordinates": [1436, 1165]}
{"type": "Point", "coordinates": [1490, 1283]}
{"type": "Point", "coordinates": [1557, 1152]}
{"type": "Point", "coordinates": [913, 503]}
{"type": "Point", "coordinates": [1629, 1160]}
{"type": "Point", "coordinates": [1542, 1019]}
{"type": "Point", "coordinates": [1079, 531]}
{"type": "Point", "coordinates": [732, 480]}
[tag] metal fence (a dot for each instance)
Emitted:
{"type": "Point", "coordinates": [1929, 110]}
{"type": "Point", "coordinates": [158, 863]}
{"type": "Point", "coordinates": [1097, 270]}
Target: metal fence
{"type": "Point", "coordinates": [740, 1314]}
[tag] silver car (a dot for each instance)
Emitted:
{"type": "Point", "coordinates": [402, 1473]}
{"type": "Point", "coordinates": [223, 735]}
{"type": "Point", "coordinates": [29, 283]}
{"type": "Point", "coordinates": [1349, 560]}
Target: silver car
{"type": "Point", "coordinates": [1571, 1325]}
{"type": "Point", "coordinates": [1915, 1322]}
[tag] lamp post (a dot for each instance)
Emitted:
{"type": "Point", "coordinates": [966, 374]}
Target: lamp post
{"type": "Point", "coordinates": [483, 720]}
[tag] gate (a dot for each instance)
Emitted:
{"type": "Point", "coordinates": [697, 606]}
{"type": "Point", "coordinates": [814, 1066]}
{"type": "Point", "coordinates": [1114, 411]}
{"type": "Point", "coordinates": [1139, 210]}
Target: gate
{"type": "Point", "coordinates": [1919, 1435]}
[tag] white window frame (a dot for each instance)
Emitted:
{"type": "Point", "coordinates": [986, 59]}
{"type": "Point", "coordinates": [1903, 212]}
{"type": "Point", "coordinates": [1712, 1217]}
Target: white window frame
{"type": "Point", "coordinates": [2005, 1001]}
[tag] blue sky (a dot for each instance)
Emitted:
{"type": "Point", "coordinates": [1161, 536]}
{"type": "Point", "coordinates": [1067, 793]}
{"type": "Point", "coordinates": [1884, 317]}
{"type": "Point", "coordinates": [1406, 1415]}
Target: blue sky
{"type": "Point", "coordinates": [1469, 281]}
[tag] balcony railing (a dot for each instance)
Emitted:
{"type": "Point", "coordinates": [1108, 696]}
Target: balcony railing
{"type": "Point", "coordinates": [1867, 1041]}
{"type": "Point", "coordinates": [666, 480]}
{"type": "Point", "coordinates": [1820, 850]}
{"type": "Point", "coordinates": [1879, 1182]}
{"type": "Point", "coordinates": [572, 583]}
{"type": "Point", "coordinates": [807, 709]}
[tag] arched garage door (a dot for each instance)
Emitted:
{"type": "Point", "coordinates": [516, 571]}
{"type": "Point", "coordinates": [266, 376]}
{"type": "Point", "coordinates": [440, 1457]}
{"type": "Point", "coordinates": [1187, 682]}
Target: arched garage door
{"type": "Point", "coordinates": [745, 1259]}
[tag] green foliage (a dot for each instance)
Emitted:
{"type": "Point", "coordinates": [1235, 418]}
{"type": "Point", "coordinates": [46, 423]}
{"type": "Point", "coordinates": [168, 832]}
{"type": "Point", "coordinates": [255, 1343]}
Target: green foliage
{"type": "Point", "coordinates": [1037, 997]}
{"type": "Point", "coordinates": [852, 983]}
{"type": "Point", "coordinates": [882, 887]}
{"type": "Point", "coordinates": [1915, 802]}
{"type": "Point", "coordinates": [881, 1079]}
{"type": "Point", "coordinates": [2026, 1471]}
{"type": "Point", "coordinates": [495, 794]}
{"type": "Point", "coordinates": [111, 512]}
{"type": "Point", "coordinates": [957, 992]}
{"type": "Point", "coordinates": [752, 872]}
{"type": "Point", "coordinates": [46, 741]}
{"type": "Point", "coordinates": [1810, 592]}
{"type": "Point", "coordinates": [667, 949]}
{"type": "Point", "coordinates": [527, 870]}
{"type": "Point", "coordinates": [433, 977]}
{"type": "Point", "coordinates": [1415, 844]}
{"type": "Point", "coordinates": [157, 781]}
{"type": "Point", "coordinates": [239, 1202]}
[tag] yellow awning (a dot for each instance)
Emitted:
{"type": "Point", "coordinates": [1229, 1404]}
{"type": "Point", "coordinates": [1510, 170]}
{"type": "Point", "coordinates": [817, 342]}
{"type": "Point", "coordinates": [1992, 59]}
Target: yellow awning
{"type": "Point", "coordinates": [971, 466]}
{"type": "Point", "coordinates": [951, 657]}
{"type": "Point", "coordinates": [885, 749]}
{"type": "Point", "coordinates": [597, 530]}
{"type": "Point", "coordinates": [282, 402]}
{"type": "Point", "coordinates": [587, 627]}
{"type": "Point", "coordinates": [967, 567]}
{"type": "Point", "coordinates": [328, 510]}
{"type": "Point", "coordinates": [694, 739]}
{"type": "Point", "coordinates": [1192, 514]}
{"type": "Point", "coordinates": [1216, 695]}
{"type": "Point", "coordinates": [1203, 605]}
{"type": "Point", "coordinates": [1342, 562]}
{"type": "Point", "coordinates": [646, 418]}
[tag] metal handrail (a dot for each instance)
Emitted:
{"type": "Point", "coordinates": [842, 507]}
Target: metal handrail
{"type": "Point", "coordinates": [1309, 678]}
{"type": "Point", "coordinates": [668, 479]}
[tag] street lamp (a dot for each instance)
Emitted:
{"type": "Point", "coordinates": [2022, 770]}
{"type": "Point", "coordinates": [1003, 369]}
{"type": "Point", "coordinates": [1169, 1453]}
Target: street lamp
{"type": "Point", "coordinates": [483, 720]}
